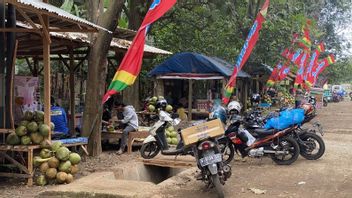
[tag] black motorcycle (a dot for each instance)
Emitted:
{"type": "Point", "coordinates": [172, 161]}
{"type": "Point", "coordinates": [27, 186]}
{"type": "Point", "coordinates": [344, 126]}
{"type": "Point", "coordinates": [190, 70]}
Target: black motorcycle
{"type": "Point", "coordinates": [312, 146]}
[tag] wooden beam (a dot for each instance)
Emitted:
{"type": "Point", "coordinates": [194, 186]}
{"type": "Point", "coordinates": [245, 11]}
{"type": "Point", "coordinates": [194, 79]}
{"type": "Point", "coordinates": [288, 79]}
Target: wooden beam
{"type": "Point", "coordinates": [19, 30]}
{"type": "Point", "coordinates": [72, 30]}
{"type": "Point", "coordinates": [72, 92]}
{"type": "Point", "coordinates": [29, 20]}
{"type": "Point", "coordinates": [190, 94]}
{"type": "Point", "coordinates": [12, 120]}
{"type": "Point", "coordinates": [45, 28]}
{"type": "Point", "coordinates": [47, 73]}
{"type": "Point", "coordinates": [81, 62]}
{"type": "Point", "coordinates": [64, 62]}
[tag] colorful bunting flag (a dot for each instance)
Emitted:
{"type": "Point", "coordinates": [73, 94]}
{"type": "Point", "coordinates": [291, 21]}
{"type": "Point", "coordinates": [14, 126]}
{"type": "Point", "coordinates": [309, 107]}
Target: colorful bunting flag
{"type": "Point", "coordinates": [321, 67]}
{"type": "Point", "coordinates": [300, 71]}
{"type": "Point", "coordinates": [131, 64]}
{"type": "Point", "coordinates": [274, 75]}
{"type": "Point", "coordinates": [246, 50]}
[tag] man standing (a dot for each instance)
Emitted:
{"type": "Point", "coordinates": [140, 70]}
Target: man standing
{"type": "Point", "coordinates": [130, 120]}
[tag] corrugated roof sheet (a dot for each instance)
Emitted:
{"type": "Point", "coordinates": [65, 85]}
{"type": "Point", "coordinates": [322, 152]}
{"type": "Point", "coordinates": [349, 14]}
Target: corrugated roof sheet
{"type": "Point", "coordinates": [82, 37]}
{"type": "Point", "coordinates": [38, 4]}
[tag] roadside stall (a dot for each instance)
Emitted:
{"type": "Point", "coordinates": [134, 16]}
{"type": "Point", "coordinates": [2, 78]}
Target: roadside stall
{"type": "Point", "coordinates": [194, 81]}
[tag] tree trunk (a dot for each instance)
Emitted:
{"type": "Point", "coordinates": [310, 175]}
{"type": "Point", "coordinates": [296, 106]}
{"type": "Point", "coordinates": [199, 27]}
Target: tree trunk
{"type": "Point", "coordinates": [11, 38]}
{"type": "Point", "coordinates": [97, 74]}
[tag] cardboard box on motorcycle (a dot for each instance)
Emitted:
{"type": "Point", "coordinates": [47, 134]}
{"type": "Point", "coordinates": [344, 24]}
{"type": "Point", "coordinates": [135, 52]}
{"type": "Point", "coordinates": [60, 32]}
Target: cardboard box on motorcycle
{"type": "Point", "coordinates": [205, 130]}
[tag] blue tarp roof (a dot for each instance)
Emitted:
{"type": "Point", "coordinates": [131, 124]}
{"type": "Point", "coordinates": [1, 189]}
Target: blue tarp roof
{"type": "Point", "coordinates": [190, 62]}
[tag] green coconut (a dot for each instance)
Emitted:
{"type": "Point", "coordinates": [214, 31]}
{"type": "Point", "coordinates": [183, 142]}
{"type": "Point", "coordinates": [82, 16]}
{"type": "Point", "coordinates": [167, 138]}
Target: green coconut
{"type": "Point", "coordinates": [44, 167]}
{"type": "Point", "coordinates": [51, 173]}
{"type": "Point", "coordinates": [32, 127]}
{"type": "Point", "coordinates": [173, 134]}
{"type": "Point", "coordinates": [53, 162]}
{"type": "Point", "coordinates": [65, 166]}
{"type": "Point", "coordinates": [52, 126]}
{"type": "Point", "coordinates": [154, 99]}
{"type": "Point", "coordinates": [41, 181]}
{"type": "Point", "coordinates": [75, 158]}
{"type": "Point", "coordinates": [28, 115]}
{"type": "Point", "coordinates": [45, 153]}
{"type": "Point", "coordinates": [45, 144]}
{"type": "Point", "coordinates": [44, 130]}
{"type": "Point", "coordinates": [55, 146]}
{"type": "Point", "coordinates": [61, 177]}
{"type": "Point", "coordinates": [39, 116]}
{"type": "Point", "coordinates": [37, 161]}
{"type": "Point", "coordinates": [74, 169]}
{"type": "Point", "coordinates": [63, 154]}
{"type": "Point", "coordinates": [168, 140]}
{"type": "Point", "coordinates": [174, 141]}
{"type": "Point", "coordinates": [168, 108]}
{"type": "Point", "coordinates": [161, 98]}
{"type": "Point", "coordinates": [36, 138]}
{"type": "Point", "coordinates": [21, 130]}
{"type": "Point", "coordinates": [170, 128]}
{"type": "Point", "coordinates": [13, 139]}
{"type": "Point", "coordinates": [151, 108]}
{"type": "Point", "coordinates": [69, 178]}
{"type": "Point", "coordinates": [25, 140]}
{"type": "Point", "coordinates": [24, 123]}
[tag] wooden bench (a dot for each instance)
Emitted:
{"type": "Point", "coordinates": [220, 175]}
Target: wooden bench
{"type": "Point", "coordinates": [132, 136]}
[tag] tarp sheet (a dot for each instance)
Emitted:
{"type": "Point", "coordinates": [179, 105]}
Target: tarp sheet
{"type": "Point", "coordinates": [189, 62]}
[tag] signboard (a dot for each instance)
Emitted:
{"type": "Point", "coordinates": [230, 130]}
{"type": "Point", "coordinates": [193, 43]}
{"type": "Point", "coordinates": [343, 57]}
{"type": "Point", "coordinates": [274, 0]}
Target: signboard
{"type": "Point", "coordinates": [27, 87]}
{"type": "Point", "coordinates": [201, 131]}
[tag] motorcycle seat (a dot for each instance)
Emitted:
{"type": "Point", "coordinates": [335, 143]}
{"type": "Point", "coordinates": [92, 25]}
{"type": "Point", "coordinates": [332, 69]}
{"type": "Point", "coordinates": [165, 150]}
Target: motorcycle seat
{"type": "Point", "coordinates": [262, 132]}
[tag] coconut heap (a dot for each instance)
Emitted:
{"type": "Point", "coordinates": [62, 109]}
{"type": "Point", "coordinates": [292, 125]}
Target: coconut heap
{"type": "Point", "coordinates": [152, 103]}
{"type": "Point", "coordinates": [31, 130]}
{"type": "Point", "coordinates": [57, 164]}
{"type": "Point", "coordinates": [171, 135]}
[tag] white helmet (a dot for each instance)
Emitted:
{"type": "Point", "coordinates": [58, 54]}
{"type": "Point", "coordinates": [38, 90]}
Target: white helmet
{"type": "Point", "coordinates": [234, 106]}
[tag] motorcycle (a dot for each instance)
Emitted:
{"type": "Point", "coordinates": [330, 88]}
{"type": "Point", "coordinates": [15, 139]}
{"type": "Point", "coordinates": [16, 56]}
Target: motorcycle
{"type": "Point", "coordinates": [214, 172]}
{"type": "Point", "coordinates": [325, 101]}
{"type": "Point", "coordinates": [268, 142]}
{"type": "Point", "coordinates": [307, 139]}
{"type": "Point", "coordinates": [156, 141]}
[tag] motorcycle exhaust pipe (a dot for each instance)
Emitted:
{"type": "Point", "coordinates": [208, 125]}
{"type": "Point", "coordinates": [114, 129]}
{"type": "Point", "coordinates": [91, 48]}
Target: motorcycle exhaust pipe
{"type": "Point", "coordinates": [274, 152]}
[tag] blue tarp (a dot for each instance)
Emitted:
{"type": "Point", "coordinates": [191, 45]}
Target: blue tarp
{"type": "Point", "coordinates": [189, 62]}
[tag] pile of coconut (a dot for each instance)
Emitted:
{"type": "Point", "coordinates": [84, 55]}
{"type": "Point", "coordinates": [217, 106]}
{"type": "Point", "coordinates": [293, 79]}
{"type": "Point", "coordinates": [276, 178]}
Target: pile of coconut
{"type": "Point", "coordinates": [31, 130]}
{"type": "Point", "coordinates": [57, 165]}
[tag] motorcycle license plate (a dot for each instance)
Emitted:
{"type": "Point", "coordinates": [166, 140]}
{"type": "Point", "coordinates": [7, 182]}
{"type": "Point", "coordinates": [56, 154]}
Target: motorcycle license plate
{"type": "Point", "coordinates": [211, 159]}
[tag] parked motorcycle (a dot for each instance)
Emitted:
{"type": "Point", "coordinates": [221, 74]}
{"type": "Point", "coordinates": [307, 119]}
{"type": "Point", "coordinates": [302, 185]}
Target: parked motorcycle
{"type": "Point", "coordinates": [156, 141]}
{"type": "Point", "coordinates": [214, 172]}
{"type": "Point", "coordinates": [312, 146]}
{"type": "Point", "coordinates": [282, 148]}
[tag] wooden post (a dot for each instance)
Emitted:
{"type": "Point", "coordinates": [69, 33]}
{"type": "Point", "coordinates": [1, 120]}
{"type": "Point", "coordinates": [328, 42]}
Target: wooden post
{"type": "Point", "coordinates": [257, 84]}
{"type": "Point", "coordinates": [46, 62]}
{"type": "Point", "coordinates": [2, 65]}
{"type": "Point", "coordinates": [190, 94]}
{"type": "Point", "coordinates": [11, 84]}
{"type": "Point", "coordinates": [245, 93]}
{"type": "Point", "coordinates": [72, 93]}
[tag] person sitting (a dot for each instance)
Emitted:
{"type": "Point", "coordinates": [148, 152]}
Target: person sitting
{"type": "Point", "coordinates": [130, 120]}
{"type": "Point", "coordinates": [59, 118]}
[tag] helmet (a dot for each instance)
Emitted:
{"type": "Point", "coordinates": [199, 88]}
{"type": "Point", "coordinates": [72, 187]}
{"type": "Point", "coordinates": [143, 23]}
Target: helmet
{"type": "Point", "coordinates": [161, 104]}
{"type": "Point", "coordinates": [234, 106]}
{"type": "Point", "coordinates": [219, 112]}
{"type": "Point", "coordinates": [255, 98]}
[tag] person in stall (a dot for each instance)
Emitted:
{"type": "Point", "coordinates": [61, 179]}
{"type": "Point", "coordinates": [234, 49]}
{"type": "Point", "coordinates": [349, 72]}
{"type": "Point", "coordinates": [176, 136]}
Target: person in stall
{"type": "Point", "coordinates": [18, 110]}
{"type": "Point", "coordinates": [59, 118]}
{"type": "Point", "coordinates": [129, 122]}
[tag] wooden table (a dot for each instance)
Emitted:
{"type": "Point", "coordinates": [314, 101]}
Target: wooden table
{"type": "Point", "coordinates": [23, 162]}
{"type": "Point", "coordinates": [117, 134]}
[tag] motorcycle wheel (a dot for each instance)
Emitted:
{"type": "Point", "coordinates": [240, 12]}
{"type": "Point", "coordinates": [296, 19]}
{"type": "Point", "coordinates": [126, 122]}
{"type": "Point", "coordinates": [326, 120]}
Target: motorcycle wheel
{"type": "Point", "coordinates": [227, 150]}
{"type": "Point", "coordinates": [218, 186]}
{"type": "Point", "coordinates": [149, 150]}
{"type": "Point", "coordinates": [325, 103]}
{"type": "Point", "coordinates": [312, 141]}
{"type": "Point", "coordinates": [286, 144]}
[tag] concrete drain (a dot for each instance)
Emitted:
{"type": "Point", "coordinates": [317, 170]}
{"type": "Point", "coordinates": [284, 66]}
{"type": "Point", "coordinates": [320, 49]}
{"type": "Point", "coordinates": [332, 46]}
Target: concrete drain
{"type": "Point", "coordinates": [146, 173]}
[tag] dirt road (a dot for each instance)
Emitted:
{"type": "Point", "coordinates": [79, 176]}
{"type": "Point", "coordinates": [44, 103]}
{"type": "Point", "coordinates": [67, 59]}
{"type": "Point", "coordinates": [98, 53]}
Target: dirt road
{"type": "Point", "coordinates": [330, 176]}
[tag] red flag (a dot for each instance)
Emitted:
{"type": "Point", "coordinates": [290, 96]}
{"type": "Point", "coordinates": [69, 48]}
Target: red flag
{"type": "Point", "coordinates": [247, 48]}
{"type": "Point", "coordinates": [300, 71]}
{"type": "Point", "coordinates": [274, 75]}
{"type": "Point", "coordinates": [284, 71]}
{"type": "Point", "coordinates": [131, 63]}
{"type": "Point", "coordinates": [313, 64]}
{"type": "Point", "coordinates": [321, 66]}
